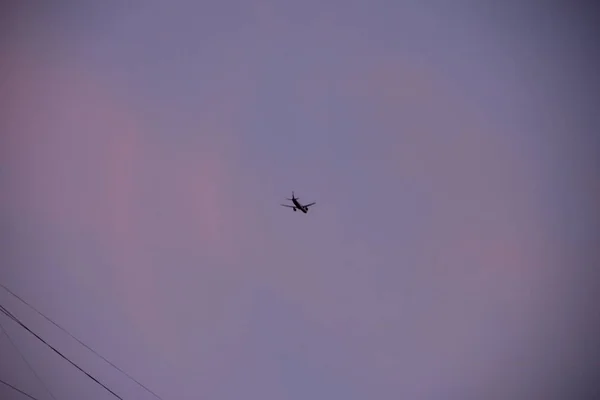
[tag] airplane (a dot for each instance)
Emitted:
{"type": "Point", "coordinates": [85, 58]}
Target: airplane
{"type": "Point", "coordinates": [297, 205]}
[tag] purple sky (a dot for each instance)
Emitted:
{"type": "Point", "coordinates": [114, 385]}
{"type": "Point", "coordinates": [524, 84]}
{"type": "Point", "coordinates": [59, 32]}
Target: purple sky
{"type": "Point", "coordinates": [146, 149]}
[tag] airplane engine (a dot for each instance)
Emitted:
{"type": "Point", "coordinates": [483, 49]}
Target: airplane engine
{"type": "Point", "coordinates": [294, 208]}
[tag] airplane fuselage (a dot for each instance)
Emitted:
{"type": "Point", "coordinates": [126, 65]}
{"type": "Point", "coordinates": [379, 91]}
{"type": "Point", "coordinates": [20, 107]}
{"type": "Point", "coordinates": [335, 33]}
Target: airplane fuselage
{"type": "Point", "coordinates": [299, 206]}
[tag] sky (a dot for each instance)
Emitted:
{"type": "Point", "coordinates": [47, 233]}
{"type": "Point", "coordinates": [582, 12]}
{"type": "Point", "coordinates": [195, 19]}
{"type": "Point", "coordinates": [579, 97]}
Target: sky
{"type": "Point", "coordinates": [146, 149]}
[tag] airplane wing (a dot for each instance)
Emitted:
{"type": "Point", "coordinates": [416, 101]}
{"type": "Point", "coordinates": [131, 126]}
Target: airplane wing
{"type": "Point", "coordinates": [308, 205]}
{"type": "Point", "coordinates": [287, 205]}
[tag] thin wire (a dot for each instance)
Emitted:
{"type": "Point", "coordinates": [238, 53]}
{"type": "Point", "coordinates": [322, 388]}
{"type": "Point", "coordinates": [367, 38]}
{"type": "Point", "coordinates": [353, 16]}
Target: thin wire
{"type": "Point", "coordinates": [9, 314]}
{"type": "Point", "coordinates": [18, 390]}
{"type": "Point", "coordinates": [5, 332]}
{"type": "Point", "coordinates": [79, 341]}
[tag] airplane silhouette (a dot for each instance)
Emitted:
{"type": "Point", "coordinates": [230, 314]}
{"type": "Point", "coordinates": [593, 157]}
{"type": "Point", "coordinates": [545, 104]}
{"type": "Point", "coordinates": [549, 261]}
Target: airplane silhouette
{"type": "Point", "coordinates": [297, 205]}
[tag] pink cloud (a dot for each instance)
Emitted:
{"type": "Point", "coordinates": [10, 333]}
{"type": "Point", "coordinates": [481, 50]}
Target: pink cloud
{"type": "Point", "coordinates": [82, 162]}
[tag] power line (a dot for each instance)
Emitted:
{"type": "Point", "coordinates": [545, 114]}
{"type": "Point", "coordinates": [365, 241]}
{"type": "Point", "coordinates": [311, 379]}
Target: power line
{"type": "Point", "coordinates": [11, 316]}
{"type": "Point", "coordinates": [18, 390]}
{"type": "Point", "coordinates": [5, 332]}
{"type": "Point", "coordinates": [79, 341]}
